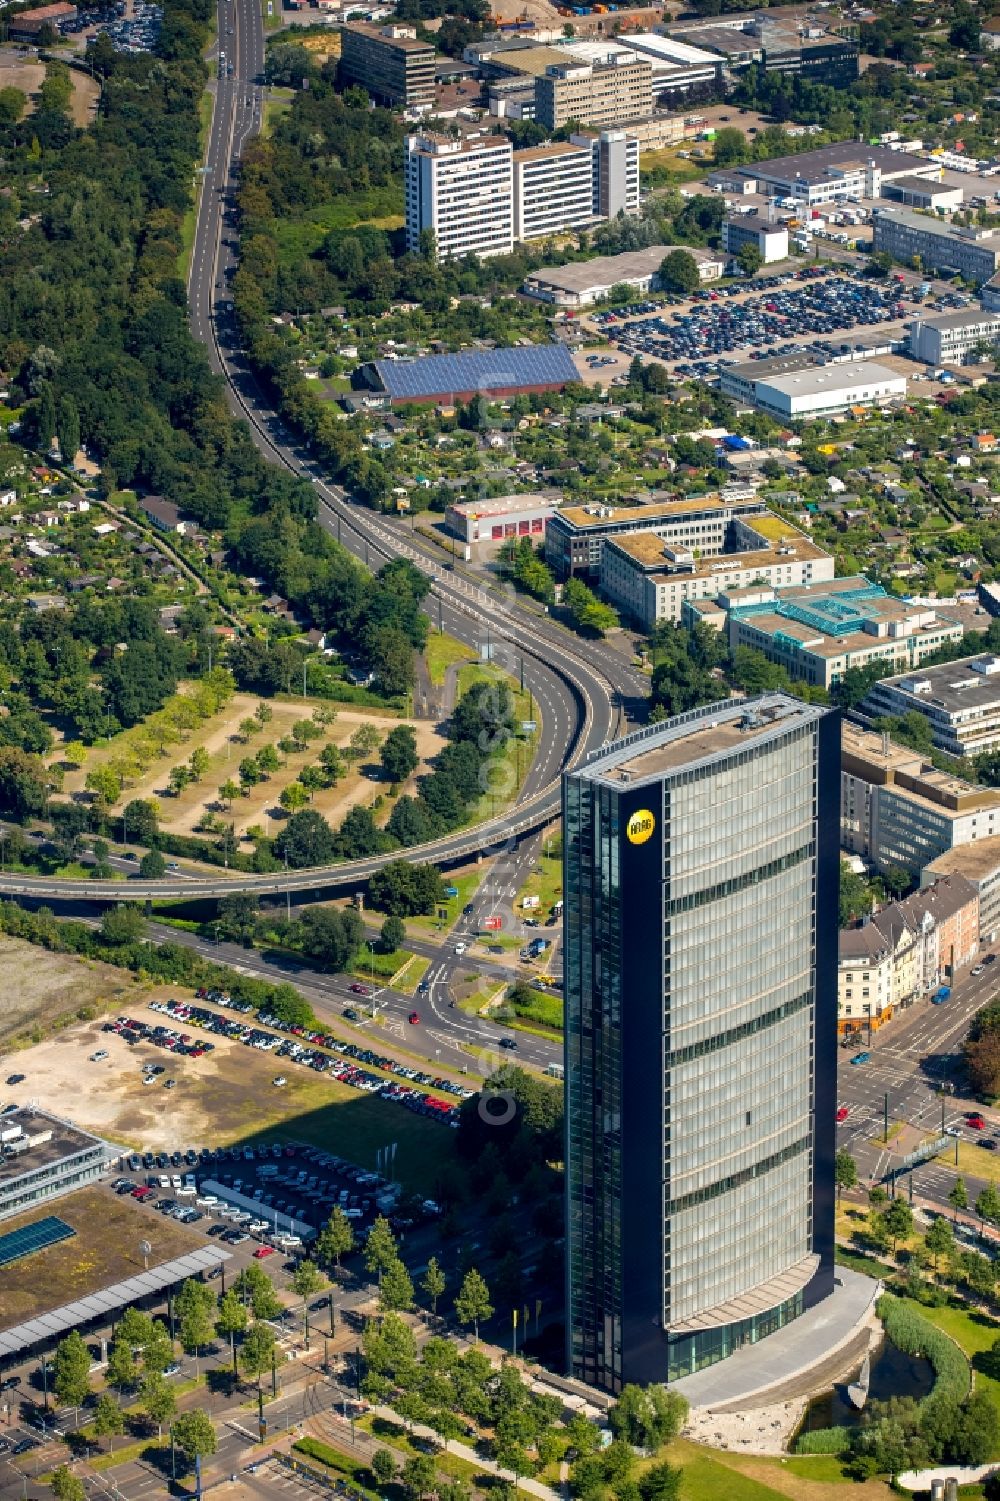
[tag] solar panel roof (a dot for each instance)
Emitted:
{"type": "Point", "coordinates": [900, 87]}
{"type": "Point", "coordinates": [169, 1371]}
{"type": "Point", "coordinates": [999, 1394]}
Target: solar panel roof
{"type": "Point", "coordinates": [33, 1237]}
{"type": "Point", "coordinates": [477, 370]}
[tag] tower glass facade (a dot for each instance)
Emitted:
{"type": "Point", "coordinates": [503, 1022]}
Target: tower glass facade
{"type": "Point", "coordinates": [701, 861]}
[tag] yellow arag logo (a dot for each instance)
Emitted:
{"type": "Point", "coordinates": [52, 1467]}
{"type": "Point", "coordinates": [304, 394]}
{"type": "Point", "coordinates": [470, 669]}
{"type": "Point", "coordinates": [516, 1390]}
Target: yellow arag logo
{"type": "Point", "coordinates": [640, 826]}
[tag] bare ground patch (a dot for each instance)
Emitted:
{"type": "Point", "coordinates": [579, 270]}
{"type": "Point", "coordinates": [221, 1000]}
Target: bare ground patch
{"type": "Point", "coordinates": [42, 990]}
{"type": "Point", "coordinates": [224, 1097]}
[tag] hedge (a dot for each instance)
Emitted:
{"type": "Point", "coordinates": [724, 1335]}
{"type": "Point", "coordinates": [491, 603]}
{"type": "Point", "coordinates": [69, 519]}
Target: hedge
{"type": "Point", "coordinates": [914, 1335]}
{"type": "Point", "coordinates": [824, 1441]}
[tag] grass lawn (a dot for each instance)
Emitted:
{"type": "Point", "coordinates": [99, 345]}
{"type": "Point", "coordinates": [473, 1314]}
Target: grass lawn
{"type": "Point", "coordinates": [319, 1452]}
{"type": "Point", "coordinates": [520, 750]}
{"type": "Point", "coordinates": [355, 1125]}
{"type": "Point", "coordinates": [475, 1002]}
{"type": "Point", "coordinates": [396, 1435]}
{"type": "Point", "coordinates": [277, 105]}
{"type": "Point", "coordinates": [441, 651]}
{"type": "Point", "coordinates": [972, 1161]}
{"type": "Point", "coordinates": [975, 1333]}
{"type": "Point", "coordinates": [713, 1476]}
{"type": "Point", "coordinates": [298, 238]}
{"type": "Point", "coordinates": [545, 882]}
{"type": "Point", "coordinates": [374, 967]}
{"type": "Point", "coordinates": [546, 1010]}
{"type": "Point", "coordinates": [466, 884]}
{"type": "Point", "coordinates": [894, 1129]}
{"type": "Point", "coordinates": [411, 974]}
{"type": "Point", "coordinates": [191, 216]}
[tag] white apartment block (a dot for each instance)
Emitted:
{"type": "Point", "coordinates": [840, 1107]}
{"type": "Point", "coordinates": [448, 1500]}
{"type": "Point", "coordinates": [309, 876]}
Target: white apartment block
{"type": "Point", "coordinates": [569, 184]}
{"type": "Point", "coordinates": [461, 190]}
{"type": "Point", "coordinates": [553, 189]}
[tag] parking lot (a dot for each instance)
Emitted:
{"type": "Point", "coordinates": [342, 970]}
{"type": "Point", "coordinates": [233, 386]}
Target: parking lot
{"type": "Point", "coordinates": [132, 28]}
{"type": "Point", "coordinates": [280, 1194]}
{"type": "Point", "coordinates": [811, 309]}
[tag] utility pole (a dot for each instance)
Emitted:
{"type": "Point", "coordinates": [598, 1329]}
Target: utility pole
{"type": "Point", "coordinates": [885, 1116]}
{"type": "Point", "coordinates": [288, 893]}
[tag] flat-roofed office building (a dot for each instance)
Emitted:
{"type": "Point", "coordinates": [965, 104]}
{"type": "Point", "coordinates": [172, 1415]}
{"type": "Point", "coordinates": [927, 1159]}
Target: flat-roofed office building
{"type": "Point", "coordinates": [608, 93]}
{"type": "Point", "coordinates": [462, 192]}
{"type": "Point", "coordinates": [700, 970]}
{"type": "Point", "coordinates": [42, 1157]}
{"type": "Point", "coordinates": [390, 62]}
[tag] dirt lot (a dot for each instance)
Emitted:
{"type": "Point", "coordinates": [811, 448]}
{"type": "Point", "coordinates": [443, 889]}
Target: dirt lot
{"type": "Point", "coordinates": [51, 990]}
{"type": "Point", "coordinates": [224, 1097]}
{"type": "Point", "coordinates": [22, 73]}
{"type": "Point", "coordinates": [105, 1249]}
{"type": "Point", "coordinates": [180, 815]}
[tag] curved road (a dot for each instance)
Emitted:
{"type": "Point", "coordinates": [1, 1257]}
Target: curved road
{"type": "Point", "coordinates": [582, 692]}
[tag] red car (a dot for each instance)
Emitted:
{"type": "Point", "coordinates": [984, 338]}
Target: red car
{"type": "Point", "coordinates": [842, 1114]}
{"type": "Point", "coordinates": [263, 1251]}
{"type": "Point", "coordinates": [976, 1122]}
{"type": "Point", "coordinates": [359, 990]}
{"type": "Point", "coordinates": [414, 1018]}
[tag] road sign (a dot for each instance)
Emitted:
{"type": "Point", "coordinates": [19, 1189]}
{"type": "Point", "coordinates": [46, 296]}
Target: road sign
{"type": "Point", "coordinates": [442, 914]}
{"type": "Point", "coordinates": [528, 726]}
{"type": "Point", "coordinates": [492, 924]}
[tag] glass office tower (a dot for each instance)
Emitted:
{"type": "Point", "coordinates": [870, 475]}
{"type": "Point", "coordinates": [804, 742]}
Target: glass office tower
{"type": "Point", "coordinates": [701, 880]}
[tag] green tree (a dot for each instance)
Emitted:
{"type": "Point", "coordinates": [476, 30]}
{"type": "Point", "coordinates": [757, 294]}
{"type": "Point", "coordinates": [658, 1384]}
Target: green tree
{"type": "Point", "coordinates": [661, 1483]}
{"type": "Point", "coordinates": [383, 1467]}
{"type": "Point", "coordinates": [122, 925]}
{"type": "Point", "coordinates": [71, 1371]}
{"type": "Point", "coordinates": [307, 1280]}
{"type": "Point", "coordinates": [434, 1283]}
{"type": "Point", "coordinates": [679, 272]}
{"type": "Point", "coordinates": [940, 1240]}
{"type": "Point", "coordinates": [231, 1321]}
{"type": "Point", "coordinates": [257, 1351]}
{"type": "Point", "coordinates": [988, 1204]}
{"type": "Point", "coordinates": [12, 106]}
{"type": "Point", "coordinates": [729, 148]}
{"type": "Point", "coordinates": [64, 1484]}
{"type": "Point", "coordinates": [229, 792]}
{"type": "Point", "coordinates": [392, 935]}
{"type": "Point", "coordinates": [958, 1196]}
{"type": "Point", "coordinates": [749, 259]}
{"type": "Point", "coordinates": [194, 1434]}
{"type": "Point", "coordinates": [845, 1172]}
{"type": "Point", "coordinates": [399, 753]}
{"type": "Point", "coordinates": [108, 1420]}
{"type": "Point", "coordinates": [152, 866]}
{"type": "Point", "coordinates": [380, 1248]}
{"type": "Point", "coordinates": [294, 797]}
{"type": "Point", "coordinates": [255, 1287]}
{"type": "Point", "coordinates": [897, 1217]}
{"type": "Point", "coordinates": [648, 1417]}
{"type": "Point", "coordinates": [395, 1288]}
{"type": "Point", "coordinates": [122, 1370]}
{"type": "Point", "coordinates": [195, 1309]}
{"type": "Point", "coordinates": [473, 1304]}
{"type": "Point", "coordinates": [158, 1400]}
{"type": "Point", "coordinates": [418, 1476]}
{"type": "Point", "coordinates": [336, 1239]}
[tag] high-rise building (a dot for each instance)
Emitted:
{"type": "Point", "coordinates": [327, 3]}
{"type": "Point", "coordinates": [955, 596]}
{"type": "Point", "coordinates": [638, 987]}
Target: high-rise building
{"type": "Point", "coordinates": [701, 869]}
{"type": "Point", "coordinates": [391, 62]}
{"type": "Point", "coordinates": [569, 184]}
{"type": "Point", "coordinates": [462, 191]}
{"type": "Point", "coordinates": [607, 92]}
